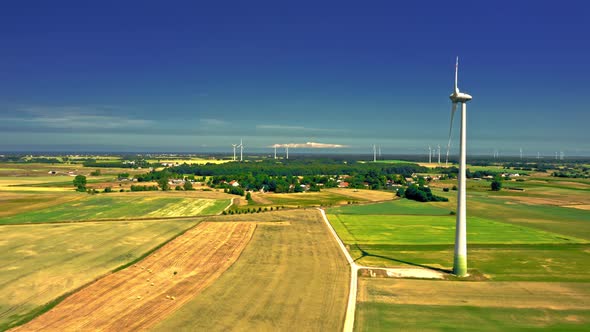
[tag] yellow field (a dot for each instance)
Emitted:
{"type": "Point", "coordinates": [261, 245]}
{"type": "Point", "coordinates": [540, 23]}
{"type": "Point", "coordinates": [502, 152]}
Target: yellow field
{"type": "Point", "coordinates": [196, 161]}
{"type": "Point", "coordinates": [186, 207]}
{"type": "Point", "coordinates": [38, 263]}
{"type": "Point", "coordinates": [290, 277]}
{"type": "Point", "coordinates": [143, 294]}
{"type": "Point", "coordinates": [363, 194]}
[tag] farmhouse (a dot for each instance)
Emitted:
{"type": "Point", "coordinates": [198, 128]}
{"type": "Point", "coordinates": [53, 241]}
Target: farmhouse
{"type": "Point", "coordinates": [343, 184]}
{"type": "Point", "coordinates": [234, 183]}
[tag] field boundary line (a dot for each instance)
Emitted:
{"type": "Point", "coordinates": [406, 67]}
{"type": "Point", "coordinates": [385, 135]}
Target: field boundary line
{"type": "Point", "coordinates": [351, 306]}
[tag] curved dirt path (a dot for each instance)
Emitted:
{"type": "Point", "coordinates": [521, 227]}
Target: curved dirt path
{"type": "Point", "coordinates": [138, 297]}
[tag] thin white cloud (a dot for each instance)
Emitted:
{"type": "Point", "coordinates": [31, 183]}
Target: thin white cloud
{"type": "Point", "coordinates": [79, 117]}
{"type": "Point", "coordinates": [293, 128]}
{"type": "Point", "coordinates": [81, 121]}
{"type": "Point", "coordinates": [310, 145]}
{"type": "Point", "coordinates": [213, 122]}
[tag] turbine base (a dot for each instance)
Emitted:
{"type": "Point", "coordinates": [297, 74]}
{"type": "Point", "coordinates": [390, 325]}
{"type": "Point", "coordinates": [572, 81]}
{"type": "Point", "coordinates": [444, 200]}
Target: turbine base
{"type": "Point", "coordinates": [460, 266]}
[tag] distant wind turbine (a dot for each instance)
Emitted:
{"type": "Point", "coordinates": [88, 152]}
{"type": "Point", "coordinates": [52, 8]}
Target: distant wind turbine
{"type": "Point", "coordinates": [241, 146]}
{"type": "Point", "coordinates": [429, 154]}
{"type": "Point", "coordinates": [234, 145]}
{"type": "Point", "coordinates": [287, 151]}
{"type": "Point", "coordinates": [439, 154]}
{"type": "Point", "coordinates": [460, 258]}
{"type": "Point", "coordinates": [374, 153]}
{"type": "Point", "coordinates": [275, 151]}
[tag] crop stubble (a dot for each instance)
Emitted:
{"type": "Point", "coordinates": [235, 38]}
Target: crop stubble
{"type": "Point", "coordinates": [141, 295]}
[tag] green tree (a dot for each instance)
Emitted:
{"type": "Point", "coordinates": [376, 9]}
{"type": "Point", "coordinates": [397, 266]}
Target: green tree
{"type": "Point", "coordinates": [80, 182]}
{"type": "Point", "coordinates": [248, 197]}
{"type": "Point", "coordinates": [95, 173]}
{"type": "Point", "coordinates": [163, 183]}
{"type": "Point", "coordinates": [496, 184]}
{"type": "Point", "coordinates": [187, 185]}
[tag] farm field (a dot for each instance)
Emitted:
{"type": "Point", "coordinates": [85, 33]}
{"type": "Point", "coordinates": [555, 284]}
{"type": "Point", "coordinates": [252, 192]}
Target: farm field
{"type": "Point", "coordinates": [291, 276]}
{"type": "Point", "coordinates": [22, 170]}
{"type": "Point", "coordinates": [386, 304]}
{"type": "Point", "coordinates": [114, 206]}
{"type": "Point", "coordinates": [141, 295]}
{"type": "Point", "coordinates": [363, 194]}
{"type": "Point", "coordinates": [530, 260]}
{"type": "Point", "coordinates": [294, 200]}
{"type": "Point", "coordinates": [326, 197]}
{"type": "Point", "coordinates": [39, 263]}
{"type": "Point", "coordinates": [197, 161]}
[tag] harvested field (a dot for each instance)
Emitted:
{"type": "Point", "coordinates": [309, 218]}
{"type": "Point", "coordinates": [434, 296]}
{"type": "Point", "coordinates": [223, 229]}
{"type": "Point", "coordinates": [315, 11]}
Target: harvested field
{"type": "Point", "coordinates": [292, 276]}
{"type": "Point", "coordinates": [549, 295]}
{"type": "Point", "coordinates": [39, 263]}
{"type": "Point", "coordinates": [547, 200]}
{"type": "Point", "coordinates": [143, 294]}
{"type": "Point", "coordinates": [363, 194]}
{"type": "Point", "coordinates": [581, 207]}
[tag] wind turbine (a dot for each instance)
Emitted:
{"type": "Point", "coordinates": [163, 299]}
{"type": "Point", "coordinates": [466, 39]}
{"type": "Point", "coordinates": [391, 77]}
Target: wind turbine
{"type": "Point", "coordinates": [287, 151]}
{"type": "Point", "coordinates": [429, 154]}
{"type": "Point", "coordinates": [379, 154]}
{"type": "Point", "coordinates": [374, 153]}
{"type": "Point", "coordinates": [460, 258]}
{"type": "Point", "coordinates": [241, 146]}
{"type": "Point", "coordinates": [439, 154]}
{"type": "Point", "coordinates": [234, 145]}
{"type": "Point", "coordinates": [275, 151]}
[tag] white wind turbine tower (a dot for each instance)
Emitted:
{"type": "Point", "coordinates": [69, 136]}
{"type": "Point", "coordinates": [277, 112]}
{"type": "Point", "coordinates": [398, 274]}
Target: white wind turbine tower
{"type": "Point", "coordinates": [241, 146]}
{"type": "Point", "coordinates": [379, 154]}
{"type": "Point", "coordinates": [287, 151]}
{"type": "Point", "coordinates": [460, 258]}
{"type": "Point", "coordinates": [429, 154]}
{"type": "Point", "coordinates": [275, 151]}
{"type": "Point", "coordinates": [374, 153]}
{"type": "Point", "coordinates": [234, 146]}
{"type": "Point", "coordinates": [439, 154]}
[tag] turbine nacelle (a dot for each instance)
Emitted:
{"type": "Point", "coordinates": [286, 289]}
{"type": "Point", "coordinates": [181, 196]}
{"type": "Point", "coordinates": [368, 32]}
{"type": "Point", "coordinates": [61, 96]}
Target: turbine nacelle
{"type": "Point", "coordinates": [460, 97]}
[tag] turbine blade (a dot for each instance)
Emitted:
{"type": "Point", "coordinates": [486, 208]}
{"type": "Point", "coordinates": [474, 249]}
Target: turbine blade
{"type": "Point", "coordinates": [456, 75]}
{"type": "Point", "coordinates": [453, 110]}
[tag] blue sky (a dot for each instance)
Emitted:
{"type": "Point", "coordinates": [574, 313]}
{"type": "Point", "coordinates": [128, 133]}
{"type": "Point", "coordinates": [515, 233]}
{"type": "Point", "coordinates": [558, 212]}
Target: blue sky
{"type": "Point", "coordinates": [197, 76]}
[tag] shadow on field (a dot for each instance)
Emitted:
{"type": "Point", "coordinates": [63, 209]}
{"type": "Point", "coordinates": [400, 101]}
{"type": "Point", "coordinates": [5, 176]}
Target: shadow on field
{"type": "Point", "coordinates": [368, 254]}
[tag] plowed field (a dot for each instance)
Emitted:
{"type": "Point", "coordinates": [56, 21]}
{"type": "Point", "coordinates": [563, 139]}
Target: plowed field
{"type": "Point", "coordinates": [141, 295]}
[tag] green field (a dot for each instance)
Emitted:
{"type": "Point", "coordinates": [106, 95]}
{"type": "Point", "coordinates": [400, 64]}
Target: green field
{"type": "Point", "coordinates": [374, 316]}
{"type": "Point", "coordinates": [38, 263]}
{"type": "Point", "coordinates": [119, 207]}
{"type": "Point", "coordinates": [428, 229]}
{"type": "Point", "coordinates": [291, 276]}
{"type": "Point", "coordinates": [532, 238]}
